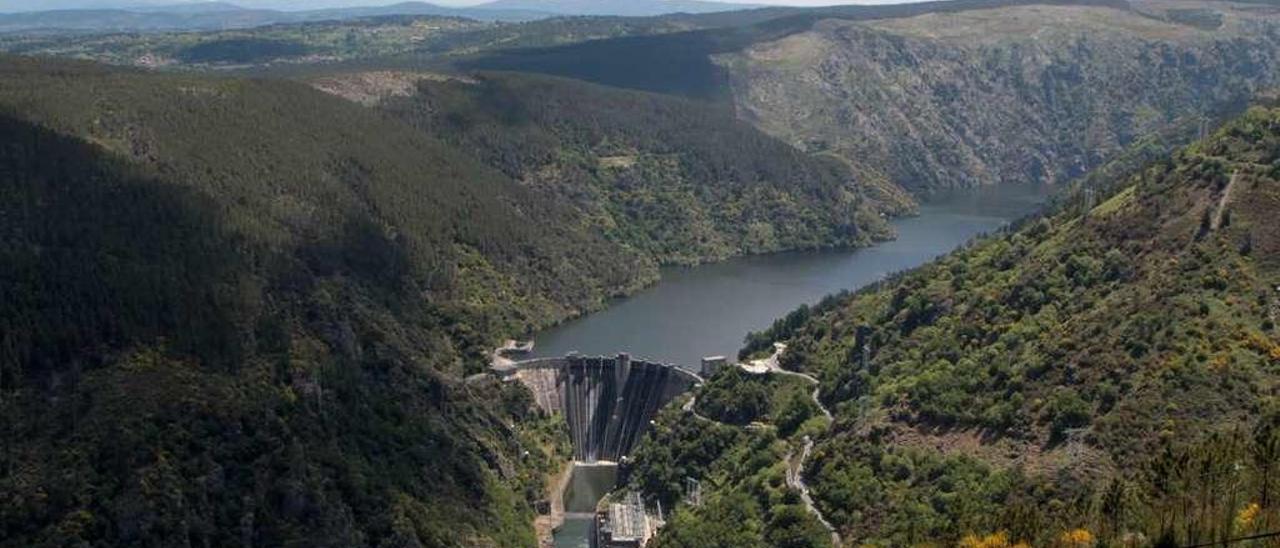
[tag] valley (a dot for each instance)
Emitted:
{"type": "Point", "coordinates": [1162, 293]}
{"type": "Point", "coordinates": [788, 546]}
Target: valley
{"type": "Point", "coordinates": [704, 311]}
{"type": "Point", "coordinates": [1003, 273]}
{"type": "Point", "coordinates": [1069, 384]}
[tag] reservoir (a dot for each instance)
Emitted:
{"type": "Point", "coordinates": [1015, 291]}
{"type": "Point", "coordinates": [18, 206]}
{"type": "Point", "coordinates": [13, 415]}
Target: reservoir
{"type": "Point", "coordinates": [707, 310]}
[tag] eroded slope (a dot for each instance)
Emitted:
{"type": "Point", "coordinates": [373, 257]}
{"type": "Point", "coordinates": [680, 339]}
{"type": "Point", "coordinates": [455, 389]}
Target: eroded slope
{"type": "Point", "coordinates": [1016, 94]}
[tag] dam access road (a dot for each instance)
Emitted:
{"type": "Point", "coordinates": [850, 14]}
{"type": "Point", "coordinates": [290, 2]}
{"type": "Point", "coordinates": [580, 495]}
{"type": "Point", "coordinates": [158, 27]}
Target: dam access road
{"type": "Point", "coordinates": [706, 310]}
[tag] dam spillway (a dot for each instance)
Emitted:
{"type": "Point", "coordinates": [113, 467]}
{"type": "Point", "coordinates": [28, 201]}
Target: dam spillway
{"type": "Point", "coordinates": [607, 402]}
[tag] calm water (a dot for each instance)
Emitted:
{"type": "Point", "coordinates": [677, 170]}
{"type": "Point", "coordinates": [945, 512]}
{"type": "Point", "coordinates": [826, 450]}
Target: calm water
{"type": "Point", "coordinates": [707, 310]}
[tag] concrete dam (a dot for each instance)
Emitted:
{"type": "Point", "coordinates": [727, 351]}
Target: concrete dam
{"type": "Point", "coordinates": [607, 403]}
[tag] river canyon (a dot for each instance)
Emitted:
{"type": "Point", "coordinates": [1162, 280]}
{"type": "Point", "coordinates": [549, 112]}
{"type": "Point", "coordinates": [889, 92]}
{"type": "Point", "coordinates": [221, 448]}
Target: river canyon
{"type": "Point", "coordinates": [706, 310]}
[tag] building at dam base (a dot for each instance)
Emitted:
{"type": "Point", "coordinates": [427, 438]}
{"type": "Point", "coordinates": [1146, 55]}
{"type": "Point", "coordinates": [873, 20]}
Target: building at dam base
{"type": "Point", "coordinates": [608, 403]}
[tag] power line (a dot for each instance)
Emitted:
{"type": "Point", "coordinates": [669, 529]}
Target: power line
{"type": "Point", "coordinates": [1259, 536]}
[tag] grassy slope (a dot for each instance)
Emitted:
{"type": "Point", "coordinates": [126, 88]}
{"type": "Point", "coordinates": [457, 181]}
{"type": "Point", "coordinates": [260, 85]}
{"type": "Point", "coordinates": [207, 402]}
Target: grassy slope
{"type": "Point", "coordinates": [676, 180]}
{"type": "Point", "coordinates": [237, 312]}
{"type": "Point", "coordinates": [1111, 367]}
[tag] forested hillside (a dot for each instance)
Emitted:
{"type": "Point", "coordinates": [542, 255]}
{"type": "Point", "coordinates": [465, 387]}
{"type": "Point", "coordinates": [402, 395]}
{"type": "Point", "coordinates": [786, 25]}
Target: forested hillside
{"type": "Point", "coordinates": [238, 312]}
{"type": "Point", "coordinates": [680, 181]}
{"type": "Point", "coordinates": [382, 41]}
{"type": "Point", "coordinates": [953, 94]}
{"type": "Point", "coordinates": [1107, 373]}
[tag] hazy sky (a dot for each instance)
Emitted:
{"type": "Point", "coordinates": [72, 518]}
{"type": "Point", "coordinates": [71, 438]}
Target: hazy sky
{"type": "Point", "coordinates": [771, 2]}
{"type": "Point", "coordinates": [774, 2]}
{"type": "Point", "coordinates": [30, 5]}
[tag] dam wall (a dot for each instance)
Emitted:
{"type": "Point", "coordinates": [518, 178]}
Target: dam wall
{"type": "Point", "coordinates": [607, 402]}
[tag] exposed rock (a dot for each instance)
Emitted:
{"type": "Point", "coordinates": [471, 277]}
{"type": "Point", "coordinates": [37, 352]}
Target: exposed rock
{"type": "Point", "coordinates": [1024, 94]}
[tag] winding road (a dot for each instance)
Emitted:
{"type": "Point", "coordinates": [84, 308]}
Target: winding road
{"type": "Point", "coordinates": [795, 480]}
{"type": "Point", "coordinates": [795, 467]}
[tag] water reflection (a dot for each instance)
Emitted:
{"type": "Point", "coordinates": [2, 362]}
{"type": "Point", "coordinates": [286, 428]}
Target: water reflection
{"type": "Point", "coordinates": [706, 310]}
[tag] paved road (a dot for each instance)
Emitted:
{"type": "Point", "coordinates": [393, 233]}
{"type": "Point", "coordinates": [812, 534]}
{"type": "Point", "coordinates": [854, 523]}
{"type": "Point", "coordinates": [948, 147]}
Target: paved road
{"type": "Point", "coordinates": [795, 480]}
{"type": "Point", "coordinates": [795, 467]}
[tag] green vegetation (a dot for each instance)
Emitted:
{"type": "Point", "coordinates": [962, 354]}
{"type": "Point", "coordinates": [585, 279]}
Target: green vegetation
{"type": "Point", "coordinates": [745, 432]}
{"type": "Point", "coordinates": [242, 50]}
{"type": "Point", "coordinates": [909, 99]}
{"type": "Point", "coordinates": [1104, 372]}
{"type": "Point", "coordinates": [739, 398]}
{"type": "Point", "coordinates": [680, 181]}
{"type": "Point", "coordinates": [683, 63]}
{"type": "Point", "coordinates": [374, 41]}
{"type": "Point", "coordinates": [746, 501]}
{"type": "Point", "coordinates": [239, 312]}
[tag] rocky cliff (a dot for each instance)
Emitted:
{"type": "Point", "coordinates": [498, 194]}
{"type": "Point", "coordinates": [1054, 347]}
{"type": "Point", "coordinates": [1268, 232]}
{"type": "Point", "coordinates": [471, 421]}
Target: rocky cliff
{"type": "Point", "coordinates": [1027, 93]}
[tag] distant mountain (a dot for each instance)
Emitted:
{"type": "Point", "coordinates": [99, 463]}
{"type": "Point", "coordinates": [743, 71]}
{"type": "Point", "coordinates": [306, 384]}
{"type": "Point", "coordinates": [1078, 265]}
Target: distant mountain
{"type": "Point", "coordinates": [219, 15]}
{"type": "Point", "coordinates": [190, 7]}
{"type": "Point", "coordinates": [558, 7]}
{"type": "Point", "coordinates": [905, 91]}
{"type": "Point", "coordinates": [615, 7]}
{"type": "Point", "coordinates": [422, 8]}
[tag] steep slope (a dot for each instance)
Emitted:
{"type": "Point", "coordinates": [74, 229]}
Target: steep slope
{"type": "Point", "coordinates": [238, 313]}
{"type": "Point", "coordinates": [1106, 372]}
{"type": "Point", "coordinates": [682, 63]}
{"type": "Point", "coordinates": [953, 94]}
{"type": "Point", "coordinates": [911, 98]}
{"type": "Point", "coordinates": [680, 181]}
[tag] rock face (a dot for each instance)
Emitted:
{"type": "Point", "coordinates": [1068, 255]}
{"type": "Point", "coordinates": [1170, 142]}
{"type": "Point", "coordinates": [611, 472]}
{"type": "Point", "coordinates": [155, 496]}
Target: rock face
{"type": "Point", "coordinates": [1031, 93]}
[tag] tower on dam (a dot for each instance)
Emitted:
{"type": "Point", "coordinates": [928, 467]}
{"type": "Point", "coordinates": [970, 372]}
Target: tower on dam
{"type": "Point", "coordinates": [607, 402]}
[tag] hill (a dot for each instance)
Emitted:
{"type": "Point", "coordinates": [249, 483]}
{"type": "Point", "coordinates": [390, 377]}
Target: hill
{"type": "Point", "coordinates": [222, 16]}
{"type": "Point", "coordinates": [331, 45]}
{"type": "Point", "coordinates": [239, 312]}
{"type": "Point", "coordinates": [1104, 373]}
{"type": "Point", "coordinates": [905, 92]}
{"type": "Point", "coordinates": [628, 8]}
{"type": "Point", "coordinates": [302, 283]}
{"type": "Point", "coordinates": [677, 180]}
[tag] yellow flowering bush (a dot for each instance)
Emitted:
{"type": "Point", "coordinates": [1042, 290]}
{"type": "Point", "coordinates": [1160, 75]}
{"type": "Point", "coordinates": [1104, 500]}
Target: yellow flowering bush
{"type": "Point", "coordinates": [995, 540]}
{"type": "Point", "coordinates": [1248, 515]}
{"type": "Point", "coordinates": [1078, 537]}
